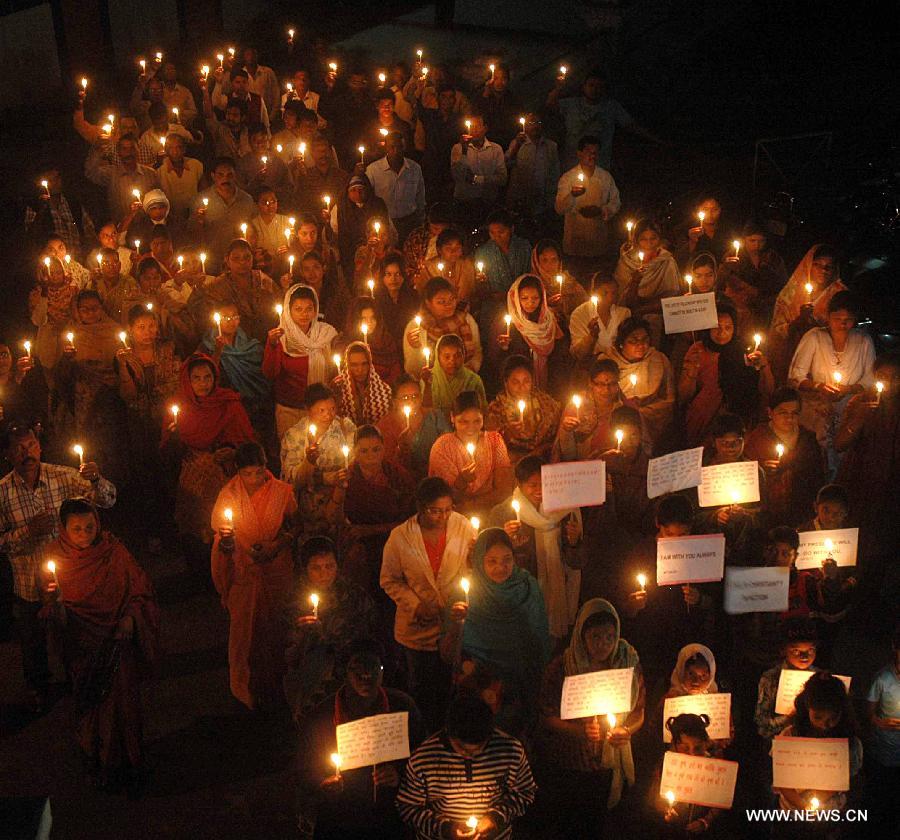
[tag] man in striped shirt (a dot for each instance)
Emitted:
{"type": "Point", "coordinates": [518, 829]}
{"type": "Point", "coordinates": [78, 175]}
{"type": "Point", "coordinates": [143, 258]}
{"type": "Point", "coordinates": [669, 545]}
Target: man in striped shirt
{"type": "Point", "coordinates": [30, 497]}
{"type": "Point", "coordinates": [470, 780]}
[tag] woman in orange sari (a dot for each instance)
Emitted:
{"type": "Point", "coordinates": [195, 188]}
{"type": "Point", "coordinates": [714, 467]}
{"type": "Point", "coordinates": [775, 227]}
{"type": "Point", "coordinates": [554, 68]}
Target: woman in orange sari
{"type": "Point", "coordinates": [252, 569]}
{"type": "Point", "coordinates": [104, 605]}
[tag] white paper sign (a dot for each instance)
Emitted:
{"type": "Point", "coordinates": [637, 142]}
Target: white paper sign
{"type": "Point", "coordinates": [790, 684]}
{"type": "Point", "coordinates": [812, 547]}
{"type": "Point", "coordinates": [694, 559]}
{"type": "Point", "coordinates": [597, 693]}
{"type": "Point", "coordinates": [675, 471]}
{"type": "Point", "coordinates": [749, 590]}
{"type": "Point", "coordinates": [573, 484]}
{"type": "Point", "coordinates": [811, 763]}
{"type": "Point", "coordinates": [716, 706]}
{"type": "Point", "coordinates": [696, 780]}
{"type": "Point", "coordinates": [373, 740]}
{"type": "Point", "coordinates": [690, 312]}
{"type": "Point", "coordinates": [729, 484]}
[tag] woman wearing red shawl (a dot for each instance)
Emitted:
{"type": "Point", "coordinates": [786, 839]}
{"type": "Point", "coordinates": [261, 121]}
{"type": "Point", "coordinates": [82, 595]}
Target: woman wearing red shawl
{"type": "Point", "coordinates": [210, 425]}
{"type": "Point", "coordinates": [108, 619]}
{"type": "Point", "coordinates": [252, 569]}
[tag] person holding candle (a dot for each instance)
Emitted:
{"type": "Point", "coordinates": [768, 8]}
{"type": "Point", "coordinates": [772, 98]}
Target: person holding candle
{"type": "Point", "coordinates": [439, 319]}
{"type": "Point", "coordinates": [28, 524]}
{"type": "Point", "coordinates": [594, 323]}
{"type": "Point", "coordinates": [450, 262]}
{"type": "Point", "coordinates": [300, 94]}
{"type": "Point", "coordinates": [587, 198]}
{"type": "Point", "coordinates": [269, 224]}
{"type": "Point", "coordinates": [235, 90]}
{"type": "Point", "coordinates": [758, 264]}
{"type": "Point", "coordinates": [793, 477]}
{"type": "Point", "coordinates": [528, 432]}
{"type": "Point", "coordinates": [549, 545]}
{"type": "Point", "coordinates": [396, 179]}
{"type": "Point", "coordinates": [505, 256]}
{"type": "Point", "coordinates": [252, 570]}
{"type": "Point", "coordinates": [117, 290]}
{"type": "Point", "coordinates": [479, 480]}
{"type": "Point", "coordinates": [56, 212]}
{"type": "Point", "coordinates": [179, 176]}
{"type": "Point", "coordinates": [23, 390]}
{"type": "Point", "coordinates": [55, 246]}
{"type": "Point", "coordinates": [324, 278]}
{"type": "Point", "coordinates": [316, 172]}
{"type": "Point", "coordinates": [103, 607]}
{"type": "Point", "coordinates": [352, 217]}
{"type": "Point", "coordinates": [408, 437]}
{"type": "Point", "coordinates": [587, 762]}
{"type": "Point", "coordinates": [322, 639]}
{"type": "Point", "coordinates": [719, 375]}
{"type": "Point", "coordinates": [50, 305]}
{"type": "Point", "coordinates": [363, 395]}
{"type": "Point", "coordinates": [503, 628]}
{"type": "Point", "coordinates": [533, 163]}
{"type": "Point", "coordinates": [395, 298]}
{"type": "Point", "coordinates": [546, 263]}
{"type": "Point", "coordinates": [297, 355]}
{"type": "Point", "coordinates": [120, 178]}
{"type": "Point", "coordinates": [478, 167]}
{"type": "Point", "coordinates": [799, 308]}
{"type": "Point", "coordinates": [382, 348]}
{"type": "Point", "coordinates": [709, 234]}
{"type": "Point", "coordinates": [261, 168]}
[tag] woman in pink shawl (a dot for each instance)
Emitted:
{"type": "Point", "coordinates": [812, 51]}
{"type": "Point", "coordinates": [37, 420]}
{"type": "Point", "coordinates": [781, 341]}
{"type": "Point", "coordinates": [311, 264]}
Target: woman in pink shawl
{"type": "Point", "coordinates": [533, 330]}
{"type": "Point", "coordinates": [802, 304]}
{"type": "Point", "coordinates": [252, 568]}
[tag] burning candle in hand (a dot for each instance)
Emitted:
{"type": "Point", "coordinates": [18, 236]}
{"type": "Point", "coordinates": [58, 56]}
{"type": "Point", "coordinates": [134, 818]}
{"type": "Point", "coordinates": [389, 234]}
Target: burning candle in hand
{"type": "Point", "coordinates": [243, 230]}
{"type": "Point", "coordinates": [228, 513]}
{"type": "Point", "coordinates": [472, 823]}
{"type": "Point", "coordinates": [336, 761]}
{"type": "Point", "coordinates": [521, 406]}
{"type": "Point", "coordinates": [364, 329]}
{"type": "Point", "coordinates": [701, 216]}
{"type": "Point", "coordinates": [346, 452]}
{"type": "Point", "coordinates": [407, 410]}
{"type": "Point", "coordinates": [632, 378]}
{"type": "Point", "coordinates": [879, 390]}
{"type": "Point", "coordinates": [464, 582]}
{"type": "Point", "coordinates": [426, 352]}
{"type": "Point", "coordinates": [218, 319]}
{"type": "Point", "coordinates": [642, 581]}
{"type": "Point", "coordinates": [175, 409]}
{"type": "Point", "coordinates": [516, 506]}
{"type": "Point", "coordinates": [809, 291]}
{"type": "Point", "coordinates": [51, 567]}
{"type": "Point", "coordinates": [202, 262]}
{"type": "Point", "coordinates": [336, 358]}
{"type": "Point", "coordinates": [314, 600]}
{"type": "Point", "coordinates": [70, 337]}
{"type": "Point", "coordinates": [838, 377]}
{"type": "Point", "coordinates": [779, 450]}
{"type": "Point", "coordinates": [470, 448]}
{"type": "Point", "coordinates": [736, 244]}
{"type": "Point", "coordinates": [689, 279]}
{"type": "Point", "coordinates": [123, 337]}
{"type": "Point", "coordinates": [620, 436]}
{"type": "Point", "coordinates": [829, 548]}
{"type": "Point", "coordinates": [508, 319]}
{"type": "Point", "coordinates": [371, 284]}
{"type": "Point", "coordinates": [312, 432]}
{"type": "Point", "coordinates": [757, 340]}
{"type": "Point", "coordinates": [576, 401]}
{"type": "Point", "coordinates": [362, 153]}
{"type": "Point", "coordinates": [629, 226]}
{"type": "Point", "coordinates": [78, 449]}
{"type": "Point", "coordinates": [670, 798]}
{"type": "Point", "coordinates": [596, 302]}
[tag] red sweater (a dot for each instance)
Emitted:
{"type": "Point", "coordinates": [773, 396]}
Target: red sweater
{"type": "Point", "coordinates": [289, 375]}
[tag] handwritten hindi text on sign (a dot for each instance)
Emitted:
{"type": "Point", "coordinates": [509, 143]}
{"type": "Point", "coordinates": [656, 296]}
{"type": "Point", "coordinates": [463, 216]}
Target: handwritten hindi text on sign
{"type": "Point", "coordinates": [573, 484]}
{"type": "Point", "coordinates": [812, 547]}
{"type": "Point", "coordinates": [699, 781]}
{"type": "Point", "coordinates": [690, 312]}
{"type": "Point", "coordinates": [811, 763]}
{"type": "Point", "coordinates": [597, 693]}
{"type": "Point", "coordinates": [716, 706]}
{"type": "Point", "coordinates": [373, 740]}
{"type": "Point", "coordinates": [729, 484]}
{"type": "Point", "coordinates": [763, 589]}
{"type": "Point", "coordinates": [692, 559]}
{"type": "Point", "coordinates": [675, 471]}
{"type": "Point", "coordinates": [790, 684]}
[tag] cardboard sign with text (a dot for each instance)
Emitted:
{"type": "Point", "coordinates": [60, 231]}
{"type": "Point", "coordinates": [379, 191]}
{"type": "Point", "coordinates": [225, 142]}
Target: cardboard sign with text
{"type": "Point", "coordinates": [812, 547]}
{"type": "Point", "coordinates": [597, 693]}
{"type": "Point", "coordinates": [750, 589]}
{"type": "Point", "coordinates": [716, 706]}
{"type": "Point", "coordinates": [675, 471]}
{"type": "Point", "coordinates": [687, 313]}
{"type": "Point", "coordinates": [790, 684]}
{"type": "Point", "coordinates": [573, 484]}
{"type": "Point", "coordinates": [373, 740]}
{"type": "Point", "coordinates": [692, 559]}
{"type": "Point", "coordinates": [729, 484]}
{"type": "Point", "coordinates": [811, 763]}
{"type": "Point", "coordinates": [696, 780]}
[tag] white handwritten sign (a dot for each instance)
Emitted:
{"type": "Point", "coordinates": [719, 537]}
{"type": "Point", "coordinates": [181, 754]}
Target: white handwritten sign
{"type": "Point", "coordinates": [675, 471]}
{"type": "Point", "coordinates": [790, 684]}
{"type": "Point", "coordinates": [716, 706]}
{"type": "Point", "coordinates": [694, 559]}
{"type": "Point", "coordinates": [696, 780]}
{"type": "Point", "coordinates": [812, 547]}
{"type": "Point", "coordinates": [373, 740]}
{"type": "Point", "coordinates": [573, 484]}
{"type": "Point", "coordinates": [811, 763]}
{"type": "Point", "coordinates": [729, 484]}
{"type": "Point", "coordinates": [749, 590]}
{"type": "Point", "coordinates": [597, 693]}
{"type": "Point", "coordinates": [690, 312]}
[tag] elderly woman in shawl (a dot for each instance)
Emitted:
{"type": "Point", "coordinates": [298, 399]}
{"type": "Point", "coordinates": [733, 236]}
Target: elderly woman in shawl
{"type": "Point", "coordinates": [364, 322]}
{"type": "Point", "coordinates": [526, 416]}
{"type": "Point", "coordinates": [440, 317]}
{"type": "Point", "coordinates": [532, 331]}
{"type": "Point", "coordinates": [502, 627]}
{"type": "Point", "coordinates": [803, 304]}
{"type": "Point", "coordinates": [211, 423]}
{"type": "Point", "coordinates": [106, 611]}
{"type": "Point", "coordinates": [548, 545]}
{"type": "Point", "coordinates": [589, 759]}
{"type": "Point", "coordinates": [647, 273]}
{"type": "Point", "coordinates": [645, 378]}
{"type": "Point", "coordinates": [252, 569]}
{"type": "Point", "coordinates": [363, 395]}
{"type": "Point", "coordinates": [450, 376]}
{"type": "Point", "coordinates": [298, 354]}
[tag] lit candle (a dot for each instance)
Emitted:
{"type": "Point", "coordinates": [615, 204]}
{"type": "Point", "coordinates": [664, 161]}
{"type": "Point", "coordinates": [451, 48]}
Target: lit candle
{"type": "Point", "coordinates": [522, 122]}
{"type": "Point", "coordinates": [364, 329]}
{"type": "Point", "coordinates": [205, 71]}
{"type": "Point", "coordinates": [106, 129]}
{"type": "Point", "coordinates": [689, 279]}
{"type": "Point", "coordinates": [757, 340]}
{"type": "Point", "coordinates": [837, 376]}
{"type": "Point", "coordinates": [440, 268]}
{"type": "Point", "coordinates": [596, 302]}
{"type": "Point", "coordinates": [278, 310]}
{"type": "Point", "coordinates": [136, 193]}
{"type": "Point", "coordinates": [362, 153]}
{"type": "Point", "coordinates": [516, 508]}
{"type": "Point", "coordinates": [508, 319]}
{"type": "Point", "coordinates": [419, 54]}
{"type": "Point", "coordinates": [221, 58]}
{"type": "Point", "coordinates": [492, 67]}
{"type": "Point", "coordinates": [779, 450]}
{"type": "Point", "coordinates": [229, 517]}
{"type": "Point", "coordinates": [218, 319]}
{"type": "Point", "coordinates": [521, 406]}
{"type": "Point", "coordinates": [336, 358]}
{"type": "Point", "coordinates": [175, 114]}
{"type": "Point", "coordinates": [332, 66]}
{"type": "Point", "coordinates": [346, 451]}
{"type": "Point", "coordinates": [123, 337]}
{"type": "Point", "coordinates": [84, 83]}
{"type": "Point", "coordinates": [290, 36]}
{"type": "Point", "coordinates": [243, 230]}
{"type": "Point", "coordinates": [829, 547]}
{"type": "Point", "coordinates": [560, 279]}
{"type": "Point", "coordinates": [641, 260]}
{"type": "Point", "coordinates": [67, 259]}
{"type": "Point", "coordinates": [426, 351]}
{"type": "Point", "coordinates": [137, 245]}
{"type": "Point", "coordinates": [736, 244]}
{"type": "Point", "coordinates": [206, 202]}
{"type": "Point", "coordinates": [670, 798]}
{"type": "Point", "coordinates": [78, 449]}
{"type": "Point", "coordinates": [611, 721]}
{"type": "Point", "coordinates": [279, 148]}
{"type": "Point", "coordinates": [418, 320]}
{"type": "Point", "coordinates": [327, 200]}
{"type": "Point", "coordinates": [149, 306]}
{"type": "Point", "coordinates": [384, 133]}
{"type": "Point", "coordinates": [642, 581]}
{"type": "Point", "coordinates": [470, 448]}
{"type": "Point", "coordinates": [70, 337]}
{"type": "Point", "coordinates": [27, 346]}
{"type": "Point", "coordinates": [291, 264]}
{"type": "Point", "coordinates": [302, 148]}
{"type": "Point", "coordinates": [735, 496]}
{"type": "Point", "coordinates": [480, 267]}
{"type": "Point", "coordinates": [382, 78]}
{"type": "Point", "coordinates": [629, 226]}
{"type": "Point", "coordinates": [376, 226]}
{"type": "Point", "coordinates": [202, 262]}
{"type": "Point", "coordinates": [336, 761]}
{"type": "Point", "coordinates": [180, 262]}
{"type": "Point", "coordinates": [879, 390]}
{"type": "Point", "coordinates": [632, 378]}
{"type": "Point", "coordinates": [472, 823]}
{"type": "Point", "coordinates": [814, 803]}
{"type": "Point", "coordinates": [407, 411]}
{"type": "Point", "coordinates": [475, 522]}
{"type": "Point", "coordinates": [159, 56]}
{"type": "Point", "coordinates": [231, 51]}
{"type": "Point", "coordinates": [287, 235]}
{"type": "Point", "coordinates": [175, 409]}
{"type": "Point", "coordinates": [464, 582]}
{"type": "Point", "coordinates": [292, 221]}
{"type": "Point", "coordinates": [576, 401]}
{"type": "Point", "coordinates": [47, 263]}
{"type": "Point", "coordinates": [264, 159]}
{"type": "Point", "coordinates": [99, 258]}
{"type": "Point", "coordinates": [143, 64]}
{"type": "Point", "coordinates": [314, 600]}
{"type": "Point", "coordinates": [809, 291]}
{"type": "Point", "coordinates": [312, 432]}
{"type": "Point", "coordinates": [51, 567]}
{"type": "Point", "coordinates": [468, 126]}
{"type": "Point", "coordinates": [46, 186]}
{"type": "Point", "coordinates": [701, 216]}
{"type": "Point", "coordinates": [371, 284]}
{"type": "Point", "coordinates": [620, 436]}
{"type": "Point", "coordinates": [581, 179]}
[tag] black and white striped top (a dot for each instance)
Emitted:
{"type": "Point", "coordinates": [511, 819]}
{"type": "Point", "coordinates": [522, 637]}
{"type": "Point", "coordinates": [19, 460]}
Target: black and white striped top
{"type": "Point", "coordinates": [439, 785]}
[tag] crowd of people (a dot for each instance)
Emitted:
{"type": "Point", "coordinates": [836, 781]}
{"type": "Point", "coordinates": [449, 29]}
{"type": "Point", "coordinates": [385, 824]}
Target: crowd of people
{"type": "Point", "coordinates": [327, 335]}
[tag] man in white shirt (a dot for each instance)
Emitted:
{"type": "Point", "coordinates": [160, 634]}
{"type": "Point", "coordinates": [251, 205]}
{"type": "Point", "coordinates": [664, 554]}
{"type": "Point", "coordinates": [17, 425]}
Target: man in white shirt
{"type": "Point", "coordinates": [179, 176]}
{"type": "Point", "coordinates": [298, 91]}
{"type": "Point", "coordinates": [478, 166]}
{"type": "Point", "coordinates": [398, 181]}
{"type": "Point", "coordinates": [587, 198]}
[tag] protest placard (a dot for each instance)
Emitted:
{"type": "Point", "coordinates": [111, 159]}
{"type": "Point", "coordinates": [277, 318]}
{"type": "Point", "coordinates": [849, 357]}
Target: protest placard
{"type": "Point", "coordinates": [688, 313]}
{"type": "Point", "coordinates": [675, 471]}
{"type": "Point", "coordinates": [692, 559]}
{"type": "Point", "coordinates": [811, 763]}
{"type": "Point", "coordinates": [729, 484]}
{"type": "Point", "coordinates": [373, 740]}
{"type": "Point", "coordinates": [763, 589]}
{"type": "Point", "coordinates": [813, 550]}
{"type": "Point", "coordinates": [597, 693]}
{"type": "Point", "coordinates": [716, 706]}
{"type": "Point", "coordinates": [790, 684]}
{"type": "Point", "coordinates": [573, 484]}
{"type": "Point", "coordinates": [696, 780]}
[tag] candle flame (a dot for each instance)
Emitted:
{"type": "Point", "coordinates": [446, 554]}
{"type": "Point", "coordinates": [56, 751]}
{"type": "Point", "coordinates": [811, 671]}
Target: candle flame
{"type": "Point", "coordinates": [809, 288]}
{"type": "Point", "coordinates": [814, 803]}
{"type": "Point", "coordinates": [314, 600]}
{"type": "Point", "coordinates": [779, 449]}
{"type": "Point", "coordinates": [879, 386]}
{"type": "Point", "coordinates": [670, 797]}
{"type": "Point", "coordinates": [174, 409]}
{"type": "Point", "coordinates": [464, 582]}
{"type": "Point", "coordinates": [829, 545]}
{"type": "Point", "coordinates": [70, 337]}
{"type": "Point", "coordinates": [470, 448]}
{"type": "Point", "coordinates": [508, 319]}
{"type": "Point", "coordinates": [576, 400]}
{"type": "Point", "coordinates": [51, 567]}
{"type": "Point", "coordinates": [620, 436]}
{"type": "Point", "coordinates": [837, 376]}
{"type": "Point", "coordinates": [472, 822]}
{"type": "Point", "coordinates": [407, 410]}
{"type": "Point", "coordinates": [312, 430]}
{"type": "Point", "coordinates": [336, 761]}
{"type": "Point", "coordinates": [346, 450]}
{"type": "Point", "coordinates": [229, 515]}
{"type": "Point", "coordinates": [336, 358]}
{"type": "Point", "coordinates": [611, 720]}
{"type": "Point", "coordinates": [521, 406]}
{"type": "Point", "coordinates": [595, 300]}
{"type": "Point", "coordinates": [516, 506]}
{"type": "Point", "coordinates": [642, 580]}
{"type": "Point", "coordinates": [78, 449]}
{"type": "Point", "coordinates": [632, 378]}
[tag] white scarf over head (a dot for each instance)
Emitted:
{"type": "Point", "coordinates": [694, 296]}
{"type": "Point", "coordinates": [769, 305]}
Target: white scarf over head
{"type": "Point", "coordinates": [316, 344]}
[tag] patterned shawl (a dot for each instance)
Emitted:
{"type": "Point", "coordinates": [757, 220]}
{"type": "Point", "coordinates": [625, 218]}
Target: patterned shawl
{"type": "Point", "coordinates": [375, 400]}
